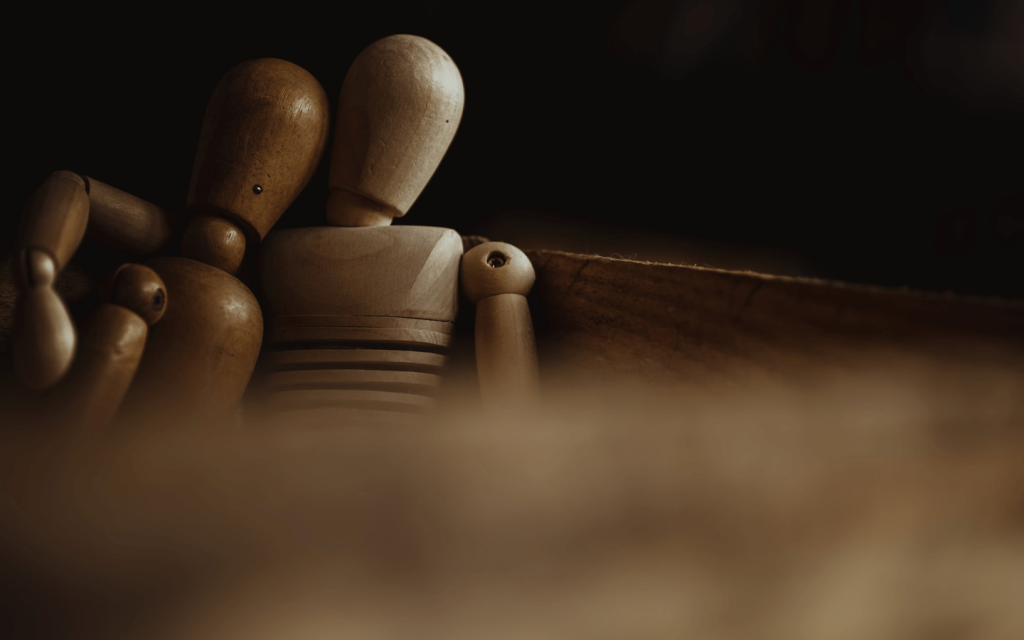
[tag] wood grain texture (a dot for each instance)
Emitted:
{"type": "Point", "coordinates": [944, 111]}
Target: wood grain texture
{"type": "Point", "coordinates": [214, 241]}
{"type": "Point", "coordinates": [406, 271]}
{"type": "Point", "coordinates": [200, 356]}
{"type": "Point", "coordinates": [379, 359]}
{"type": "Point", "coordinates": [43, 334]}
{"type": "Point", "coordinates": [413, 338]}
{"type": "Point", "coordinates": [359, 310]}
{"type": "Point", "coordinates": [398, 111]}
{"type": "Point", "coordinates": [109, 350]}
{"type": "Point", "coordinates": [609, 318]}
{"type": "Point", "coordinates": [506, 351]}
{"type": "Point", "coordinates": [52, 226]}
{"type": "Point", "coordinates": [56, 216]}
{"type": "Point", "coordinates": [127, 223]}
{"type": "Point", "coordinates": [496, 277]}
{"type": "Point", "coordinates": [263, 135]}
{"type": "Point", "coordinates": [108, 355]}
{"type": "Point", "coordinates": [73, 285]}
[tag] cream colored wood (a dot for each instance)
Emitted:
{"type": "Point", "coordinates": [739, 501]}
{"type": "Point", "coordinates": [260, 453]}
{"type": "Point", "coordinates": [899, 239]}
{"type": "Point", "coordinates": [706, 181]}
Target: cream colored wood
{"type": "Point", "coordinates": [495, 268]}
{"type": "Point", "coordinates": [403, 337]}
{"type": "Point", "coordinates": [413, 381]}
{"type": "Point", "coordinates": [354, 398]}
{"type": "Point", "coordinates": [384, 322]}
{"type": "Point", "coordinates": [398, 111]}
{"type": "Point", "coordinates": [496, 276]}
{"type": "Point", "coordinates": [401, 271]}
{"type": "Point", "coordinates": [263, 135]}
{"type": "Point", "coordinates": [506, 351]}
{"type": "Point", "coordinates": [376, 358]}
{"type": "Point", "coordinates": [125, 222]}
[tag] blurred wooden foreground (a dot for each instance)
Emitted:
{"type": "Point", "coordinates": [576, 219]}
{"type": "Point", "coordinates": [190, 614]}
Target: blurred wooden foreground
{"type": "Point", "coordinates": [720, 455]}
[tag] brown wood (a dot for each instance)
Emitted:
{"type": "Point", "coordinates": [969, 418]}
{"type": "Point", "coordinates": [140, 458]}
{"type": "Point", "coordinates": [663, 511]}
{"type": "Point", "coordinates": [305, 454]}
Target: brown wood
{"type": "Point", "coordinates": [109, 351]}
{"type": "Point", "coordinates": [200, 356]}
{"type": "Point", "coordinates": [56, 216]}
{"type": "Point", "coordinates": [263, 135]}
{"type": "Point", "coordinates": [607, 319]}
{"type": "Point", "coordinates": [43, 334]}
{"type": "Point", "coordinates": [126, 223]}
{"type": "Point", "coordinates": [264, 132]}
{"type": "Point", "coordinates": [52, 227]}
{"type": "Point", "coordinates": [398, 111]}
{"type": "Point", "coordinates": [214, 241]}
{"type": "Point", "coordinates": [140, 290]}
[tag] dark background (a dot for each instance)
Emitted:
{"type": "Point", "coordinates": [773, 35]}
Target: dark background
{"type": "Point", "coordinates": [868, 141]}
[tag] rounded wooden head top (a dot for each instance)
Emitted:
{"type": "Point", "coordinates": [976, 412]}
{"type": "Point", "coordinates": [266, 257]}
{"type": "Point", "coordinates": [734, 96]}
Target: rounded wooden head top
{"type": "Point", "coordinates": [398, 111]}
{"type": "Point", "coordinates": [264, 133]}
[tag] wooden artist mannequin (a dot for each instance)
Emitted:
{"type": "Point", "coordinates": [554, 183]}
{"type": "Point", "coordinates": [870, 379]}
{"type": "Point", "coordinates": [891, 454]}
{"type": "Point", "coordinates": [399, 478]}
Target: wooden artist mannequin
{"type": "Point", "coordinates": [360, 314]}
{"type": "Point", "coordinates": [263, 135]}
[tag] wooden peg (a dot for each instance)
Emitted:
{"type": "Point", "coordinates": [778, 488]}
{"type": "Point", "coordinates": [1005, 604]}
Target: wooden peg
{"type": "Point", "coordinates": [263, 135]}
{"type": "Point", "coordinates": [214, 241]}
{"type": "Point", "coordinates": [109, 351]}
{"type": "Point", "coordinates": [398, 111]}
{"type": "Point", "coordinates": [44, 336]}
{"type": "Point", "coordinates": [496, 277]}
{"type": "Point", "coordinates": [56, 216]}
{"type": "Point", "coordinates": [54, 222]}
{"type": "Point", "coordinates": [52, 227]}
{"type": "Point", "coordinates": [125, 223]}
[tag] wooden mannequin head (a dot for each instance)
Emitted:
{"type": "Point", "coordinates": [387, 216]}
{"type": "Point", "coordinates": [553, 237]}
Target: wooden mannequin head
{"type": "Point", "coordinates": [360, 314]}
{"type": "Point", "coordinates": [398, 111]}
{"type": "Point", "coordinates": [264, 133]}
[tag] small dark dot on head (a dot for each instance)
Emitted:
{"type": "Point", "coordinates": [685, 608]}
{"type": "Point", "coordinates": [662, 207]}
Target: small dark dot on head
{"type": "Point", "coordinates": [446, 121]}
{"type": "Point", "coordinates": [158, 300]}
{"type": "Point", "coordinates": [257, 189]}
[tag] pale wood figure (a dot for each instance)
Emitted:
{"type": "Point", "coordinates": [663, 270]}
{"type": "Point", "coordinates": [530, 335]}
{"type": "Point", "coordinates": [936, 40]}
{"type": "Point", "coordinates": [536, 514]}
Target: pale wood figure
{"type": "Point", "coordinates": [360, 314]}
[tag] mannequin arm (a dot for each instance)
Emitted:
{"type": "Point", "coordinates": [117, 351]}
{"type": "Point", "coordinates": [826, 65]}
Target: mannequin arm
{"type": "Point", "coordinates": [496, 278]}
{"type": "Point", "coordinates": [109, 351]}
{"type": "Point", "coordinates": [55, 220]}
